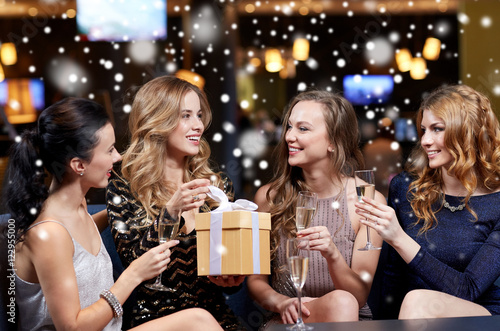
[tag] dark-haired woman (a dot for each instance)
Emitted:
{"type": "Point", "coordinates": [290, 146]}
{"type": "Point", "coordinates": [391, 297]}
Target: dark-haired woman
{"type": "Point", "coordinates": [63, 272]}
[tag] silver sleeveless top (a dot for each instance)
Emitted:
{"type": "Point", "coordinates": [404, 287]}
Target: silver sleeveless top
{"type": "Point", "coordinates": [93, 275]}
{"type": "Point", "coordinates": [334, 214]}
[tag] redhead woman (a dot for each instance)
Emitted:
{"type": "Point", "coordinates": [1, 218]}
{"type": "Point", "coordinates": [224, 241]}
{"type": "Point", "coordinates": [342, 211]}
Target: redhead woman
{"type": "Point", "coordinates": [443, 220]}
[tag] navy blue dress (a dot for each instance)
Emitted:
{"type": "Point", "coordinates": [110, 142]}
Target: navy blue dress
{"type": "Point", "coordinates": [460, 256]}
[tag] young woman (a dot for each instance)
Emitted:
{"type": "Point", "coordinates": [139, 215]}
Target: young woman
{"type": "Point", "coordinates": [64, 275]}
{"type": "Point", "coordinates": [167, 165]}
{"type": "Point", "coordinates": [443, 222]}
{"type": "Point", "coordinates": [318, 152]}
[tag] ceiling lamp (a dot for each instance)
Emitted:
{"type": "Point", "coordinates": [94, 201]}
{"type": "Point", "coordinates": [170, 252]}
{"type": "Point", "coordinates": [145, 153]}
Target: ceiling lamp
{"type": "Point", "coordinates": [8, 54]}
{"type": "Point", "coordinates": [300, 49]}
{"type": "Point", "coordinates": [273, 60]}
{"type": "Point", "coordinates": [404, 59]}
{"type": "Point", "coordinates": [418, 68]}
{"type": "Point", "coordinates": [432, 47]}
{"type": "Point", "coordinates": [191, 77]}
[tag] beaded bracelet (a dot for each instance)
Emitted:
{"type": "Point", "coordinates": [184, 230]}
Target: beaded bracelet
{"type": "Point", "coordinates": [113, 302]}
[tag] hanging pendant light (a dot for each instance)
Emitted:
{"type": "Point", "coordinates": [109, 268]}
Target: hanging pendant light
{"type": "Point", "coordinates": [8, 54]}
{"type": "Point", "coordinates": [432, 48]}
{"type": "Point", "coordinates": [403, 59]}
{"type": "Point", "coordinates": [418, 68]}
{"type": "Point", "coordinates": [300, 50]}
{"type": "Point", "coordinates": [273, 60]}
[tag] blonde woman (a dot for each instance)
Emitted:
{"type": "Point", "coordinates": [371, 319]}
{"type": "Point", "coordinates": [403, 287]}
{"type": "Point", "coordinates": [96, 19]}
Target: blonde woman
{"type": "Point", "coordinates": [167, 165]}
{"type": "Point", "coordinates": [63, 273]}
{"type": "Point", "coordinates": [319, 152]}
{"type": "Point", "coordinates": [444, 224]}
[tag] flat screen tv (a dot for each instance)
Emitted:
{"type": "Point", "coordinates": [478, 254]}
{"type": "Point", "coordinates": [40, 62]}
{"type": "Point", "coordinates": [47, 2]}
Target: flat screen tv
{"type": "Point", "coordinates": [124, 20]}
{"type": "Point", "coordinates": [22, 98]}
{"type": "Point", "coordinates": [368, 89]}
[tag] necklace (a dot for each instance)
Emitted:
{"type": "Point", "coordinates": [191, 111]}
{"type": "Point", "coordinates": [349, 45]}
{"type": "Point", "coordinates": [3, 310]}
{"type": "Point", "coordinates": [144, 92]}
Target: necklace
{"type": "Point", "coordinates": [452, 208]}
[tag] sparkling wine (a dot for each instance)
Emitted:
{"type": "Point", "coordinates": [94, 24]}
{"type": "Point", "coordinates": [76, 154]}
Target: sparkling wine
{"type": "Point", "coordinates": [303, 217]}
{"type": "Point", "coordinates": [167, 231]}
{"type": "Point", "coordinates": [367, 190]}
{"type": "Point", "coordinates": [298, 269]}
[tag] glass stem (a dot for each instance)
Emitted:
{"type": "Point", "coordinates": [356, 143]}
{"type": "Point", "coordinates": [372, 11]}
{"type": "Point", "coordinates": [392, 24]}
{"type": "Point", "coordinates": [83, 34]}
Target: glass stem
{"type": "Point", "coordinates": [368, 235]}
{"type": "Point", "coordinates": [299, 296]}
{"type": "Point", "coordinates": [158, 279]}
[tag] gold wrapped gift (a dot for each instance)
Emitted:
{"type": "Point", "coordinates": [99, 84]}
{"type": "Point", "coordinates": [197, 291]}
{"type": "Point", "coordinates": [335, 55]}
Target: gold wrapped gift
{"type": "Point", "coordinates": [233, 243]}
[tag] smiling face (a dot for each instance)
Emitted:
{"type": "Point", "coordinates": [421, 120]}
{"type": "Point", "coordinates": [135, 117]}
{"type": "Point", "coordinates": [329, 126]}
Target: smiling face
{"type": "Point", "coordinates": [185, 138]}
{"type": "Point", "coordinates": [98, 170]}
{"type": "Point", "coordinates": [432, 141]}
{"type": "Point", "coordinates": [307, 136]}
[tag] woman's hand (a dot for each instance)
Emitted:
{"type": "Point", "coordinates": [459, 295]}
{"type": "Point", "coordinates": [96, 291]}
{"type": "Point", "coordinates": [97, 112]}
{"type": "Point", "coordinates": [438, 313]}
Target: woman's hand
{"type": "Point", "coordinates": [152, 263]}
{"type": "Point", "coordinates": [227, 281]}
{"type": "Point", "coordinates": [188, 196]}
{"type": "Point", "coordinates": [381, 218]}
{"type": "Point", "coordinates": [320, 240]}
{"type": "Point", "coordinates": [289, 312]}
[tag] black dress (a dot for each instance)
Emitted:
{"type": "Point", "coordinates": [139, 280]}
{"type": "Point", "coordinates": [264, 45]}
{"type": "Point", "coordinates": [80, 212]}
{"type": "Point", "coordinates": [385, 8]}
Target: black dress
{"type": "Point", "coordinates": [181, 274]}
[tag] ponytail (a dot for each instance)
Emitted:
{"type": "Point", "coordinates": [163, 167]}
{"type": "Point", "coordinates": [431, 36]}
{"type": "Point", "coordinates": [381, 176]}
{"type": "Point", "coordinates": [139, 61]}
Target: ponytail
{"type": "Point", "coordinates": [26, 189]}
{"type": "Point", "coordinates": [65, 130]}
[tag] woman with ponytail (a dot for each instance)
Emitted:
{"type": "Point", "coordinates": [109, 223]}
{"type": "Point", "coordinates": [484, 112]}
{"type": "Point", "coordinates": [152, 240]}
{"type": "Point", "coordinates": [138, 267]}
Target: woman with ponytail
{"type": "Point", "coordinates": [63, 273]}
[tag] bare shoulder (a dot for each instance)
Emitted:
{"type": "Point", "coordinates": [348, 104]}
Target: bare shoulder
{"type": "Point", "coordinates": [47, 237]}
{"type": "Point", "coordinates": [260, 198]}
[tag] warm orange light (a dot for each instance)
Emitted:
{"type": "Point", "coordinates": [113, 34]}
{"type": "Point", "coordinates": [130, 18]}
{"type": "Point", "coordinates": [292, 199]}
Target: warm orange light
{"type": "Point", "coordinates": [273, 60]}
{"type": "Point", "coordinates": [249, 8]}
{"type": "Point", "coordinates": [191, 77]}
{"type": "Point", "coordinates": [432, 48]}
{"type": "Point", "coordinates": [256, 62]}
{"type": "Point", "coordinates": [32, 11]}
{"type": "Point", "coordinates": [300, 49]}
{"type": "Point", "coordinates": [418, 68]}
{"type": "Point", "coordinates": [404, 60]}
{"type": "Point", "coordinates": [8, 54]}
{"type": "Point", "coordinates": [71, 13]}
{"type": "Point", "coordinates": [2, 75]}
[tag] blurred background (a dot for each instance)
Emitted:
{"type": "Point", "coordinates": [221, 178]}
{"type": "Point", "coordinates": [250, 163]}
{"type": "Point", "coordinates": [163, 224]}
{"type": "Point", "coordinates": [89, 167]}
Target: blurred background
{"type": "Point", "coordinates": [250, 57]}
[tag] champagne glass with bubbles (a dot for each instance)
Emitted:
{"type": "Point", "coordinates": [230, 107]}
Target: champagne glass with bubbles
{"type": "Point", "coordinates": [167, 230]}
{"type": "Point", "coordinates": [365, 187]}
{"type": "Point", "coordinates": [307, 203]}
{"type": "Point", "coordinates": [297, 254]}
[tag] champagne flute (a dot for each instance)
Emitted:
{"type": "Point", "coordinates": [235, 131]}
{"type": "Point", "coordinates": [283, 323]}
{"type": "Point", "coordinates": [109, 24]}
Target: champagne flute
{"type": "Point", "coordinates": [297, 253]}
{"type": "Point", "coordinates": [167, 230]}
{"type": "Point", "coordinates": [307, 203]}
{"type": "Point", "coordinates": [365, 187]}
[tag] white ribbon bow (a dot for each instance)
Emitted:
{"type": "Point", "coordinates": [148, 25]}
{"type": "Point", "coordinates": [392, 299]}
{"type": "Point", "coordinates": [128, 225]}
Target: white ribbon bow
{"type": "Point", "coordinates": [224, 205]}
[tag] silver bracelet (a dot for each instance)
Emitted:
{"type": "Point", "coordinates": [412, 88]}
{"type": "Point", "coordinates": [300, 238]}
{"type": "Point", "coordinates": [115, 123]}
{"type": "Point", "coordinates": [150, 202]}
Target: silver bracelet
{"type": "Point", "coordinates": [113, 302]}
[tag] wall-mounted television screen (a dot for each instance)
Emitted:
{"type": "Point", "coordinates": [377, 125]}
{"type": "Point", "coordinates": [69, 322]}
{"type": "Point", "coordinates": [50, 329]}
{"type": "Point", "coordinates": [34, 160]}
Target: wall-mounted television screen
{"type": "Point", "coordinates": [21, 98]}
{"type": "Point", "coordinates": [368, 89]}
{"type": "Point", "coordinates": [125, 20]}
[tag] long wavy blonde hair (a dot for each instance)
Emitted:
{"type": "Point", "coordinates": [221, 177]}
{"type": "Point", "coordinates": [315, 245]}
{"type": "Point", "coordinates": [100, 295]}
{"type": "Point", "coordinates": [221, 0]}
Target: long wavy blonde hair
{"type": "Point", "coordinates": [155, 114]}
{"type": "Point", "coordinates": [472, 137]}
{"type": "Point", "coordinates": [342, 127]}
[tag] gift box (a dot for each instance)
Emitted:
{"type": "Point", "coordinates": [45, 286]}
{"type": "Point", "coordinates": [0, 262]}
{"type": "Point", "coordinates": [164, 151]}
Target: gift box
{"type": "Point", "coordinates": [233, 243]}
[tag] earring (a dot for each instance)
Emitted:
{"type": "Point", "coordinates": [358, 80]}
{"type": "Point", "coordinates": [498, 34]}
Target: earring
{"type": "Point", "coordinates": [81, 174]}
